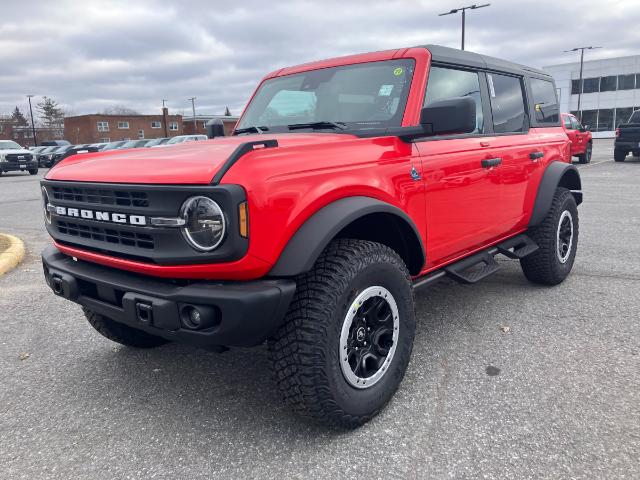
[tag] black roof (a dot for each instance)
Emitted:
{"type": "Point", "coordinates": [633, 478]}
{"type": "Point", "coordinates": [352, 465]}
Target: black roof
{"type": "Point", "coordinates": [454, 56]}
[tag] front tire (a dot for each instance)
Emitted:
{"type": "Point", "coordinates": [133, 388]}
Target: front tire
{"type": "Point", "coordinates": [346, 340]}
{"type": "Point", "coordinates": [557, 239]}
{"type": "Point", "coordinates": [121, 333]}
{"type": "Point", "coordinates": [586, 156]}
{"type": "Point", "coordinates": [33, 171]}
{"type": "Point", "coordinates": [619, 155]}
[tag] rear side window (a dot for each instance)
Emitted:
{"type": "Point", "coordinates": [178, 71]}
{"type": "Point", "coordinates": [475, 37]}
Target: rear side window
{"type": "Point", "coordinates": [567, 122]}
{"type": "Point", "coordinates": [507, 103]}
{"type": "Point", "coordinates": [447, 83]}
{"type": "Point", "coordinates": [544, 100]}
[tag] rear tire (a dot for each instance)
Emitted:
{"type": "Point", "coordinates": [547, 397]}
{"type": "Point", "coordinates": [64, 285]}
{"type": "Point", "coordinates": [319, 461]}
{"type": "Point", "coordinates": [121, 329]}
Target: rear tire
{"type": "Point", "coordinates": [557, 239]}
{"type": "Point", "coordinates": [121, 333]}
{"type": "Point", "coordinates": [619, 155]}
{"type": "Point", "coordinates": [586, 156]}
{"type": "Point", "coordinates": [33, 171]}
{"type": "Point", "coordinates": [328, 357]}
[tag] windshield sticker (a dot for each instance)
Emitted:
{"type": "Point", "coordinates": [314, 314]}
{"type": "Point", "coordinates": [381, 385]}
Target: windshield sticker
{"type": "Point", "coordinates": [385, 90]}
{"type": "Point", "coordinates": [398, 71]}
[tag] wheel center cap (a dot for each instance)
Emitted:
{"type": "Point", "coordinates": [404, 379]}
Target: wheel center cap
{"type": "Point", "coordinates": [360, 334]}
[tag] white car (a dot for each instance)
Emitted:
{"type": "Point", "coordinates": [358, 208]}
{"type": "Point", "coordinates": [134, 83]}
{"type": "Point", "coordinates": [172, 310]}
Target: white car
{"type": "Point", "coordinates": [182, 139]}
{"type": "Point", "coordinates": [13, 157]}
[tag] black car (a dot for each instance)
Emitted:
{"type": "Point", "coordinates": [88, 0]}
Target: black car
{"type": "Point", "coordinates": [45, 157]}
{"type": "Point", "coordinates": [627, 138]}
{"type": "Point", "coordinates": [134, 144]}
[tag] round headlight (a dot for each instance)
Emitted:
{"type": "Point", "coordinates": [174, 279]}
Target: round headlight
{"type": "Point", "coordinates": [45, 201]}
{"type": "Point", "coordinates": [204, 223]}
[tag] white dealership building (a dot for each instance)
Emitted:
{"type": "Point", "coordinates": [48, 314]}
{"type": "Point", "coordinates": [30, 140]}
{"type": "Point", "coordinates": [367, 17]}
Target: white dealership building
{"type": "Point", "coordinates": [610, 92]}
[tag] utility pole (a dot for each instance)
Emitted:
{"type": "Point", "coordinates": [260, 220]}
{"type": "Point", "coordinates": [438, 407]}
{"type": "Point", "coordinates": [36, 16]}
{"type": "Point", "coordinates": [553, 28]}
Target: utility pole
{"type": "Point", "coordinates": [582, 49]}
{"type": "Point", "coordinates": [193, 107]}
{"type": "Point", "coordinates": [464, 13]}
{"type": "Point", "coordinates": [164, 118]}
{"type": "Point", "coordinates": [33, 126]}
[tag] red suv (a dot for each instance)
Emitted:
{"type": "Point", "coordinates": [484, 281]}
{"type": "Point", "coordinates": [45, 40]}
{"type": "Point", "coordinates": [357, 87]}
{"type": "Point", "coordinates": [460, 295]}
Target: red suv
{"type": "Point", "coordinates": [347, 185]}
{"type": "Point", "coordinates": [580, 137]}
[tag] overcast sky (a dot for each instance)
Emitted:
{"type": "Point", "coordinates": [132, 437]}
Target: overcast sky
{"type": "Point", "coordinates": [90, 55]}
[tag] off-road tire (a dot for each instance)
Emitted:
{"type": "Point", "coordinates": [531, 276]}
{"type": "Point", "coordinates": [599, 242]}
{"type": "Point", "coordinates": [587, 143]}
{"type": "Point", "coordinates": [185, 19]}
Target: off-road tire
{"type": "Point", "coordinates": [586, 156]}
{"type": "Point", "coordinates": [33, 171]}
{"type": "Point", "coordinates": [619, 155]}
{"type": "Point", "coordinates": [121, 333]}
{"type": "Point", "coordinates": [544, 266]}
{"type": "Point", "coordinates": [305, 350]}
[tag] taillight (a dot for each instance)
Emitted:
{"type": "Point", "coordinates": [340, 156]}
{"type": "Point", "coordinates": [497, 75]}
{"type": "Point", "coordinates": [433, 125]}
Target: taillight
{"type": "Point", "coordinates": [617, 132]}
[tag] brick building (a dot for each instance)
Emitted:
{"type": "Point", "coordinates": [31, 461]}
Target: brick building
{"type": "Point", "coordinates": [201, 123]}
{"type": "Point", "coordinates": [22, 134]}
{"type": "Point", "coordinates": [94, 128]}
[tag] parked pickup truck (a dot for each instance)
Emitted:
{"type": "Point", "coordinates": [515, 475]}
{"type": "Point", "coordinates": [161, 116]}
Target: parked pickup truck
{"type": "Point", "coordinates": [580, 137]}
{"type": "Point", "coordinates": [348, 185]}
{"type": "Point", "coordinates": [627, 138]}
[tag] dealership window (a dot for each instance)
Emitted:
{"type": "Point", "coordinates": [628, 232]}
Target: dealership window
{"type": "Point", "coordinates": [448, 83]}
{"type": "Point", "coordinates": [545, 101]}
{"type": "Point", "coordinates": [140, 133]}
{"type": "Point", "coordinates": [507, 103]}
{"type": "Point", "coordinates": [575, 87]}
{"type": "Point", "coordinates": [1, 128]}
{"type": "Point", "coordinates": [637, 80]}
{"type": "Point", "coordinates": [591, 85]}
{"type": "Point", "coordinates": [123, 125]}
{"type": "Point", "coordinates": [605, 120]}
{"type": "Point", "coordinates": [173, 126]}
{"type": "Point", "coordinates": [608, 84]}
{"type": "Point", "coordinates": [103, 126]}
{"type": "Point", "coordinates": [626, 82]}
{"type": "Point", "coordinates": [622, 115]}
{"type": "Point", "coordinates": [155, 125]}
{"type": "Point", "coordinates": [589, 118]}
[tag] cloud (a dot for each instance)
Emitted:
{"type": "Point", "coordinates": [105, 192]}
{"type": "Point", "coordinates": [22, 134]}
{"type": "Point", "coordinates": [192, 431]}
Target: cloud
{"type": "Point", "coordinates": [93, 54]}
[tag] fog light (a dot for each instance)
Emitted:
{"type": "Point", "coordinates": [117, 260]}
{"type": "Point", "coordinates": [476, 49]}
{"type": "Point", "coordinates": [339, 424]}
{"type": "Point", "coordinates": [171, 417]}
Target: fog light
{"type": "Point", "coordinates": [194, 317]}
{"type": "Point", "coordinates": [200, 317]}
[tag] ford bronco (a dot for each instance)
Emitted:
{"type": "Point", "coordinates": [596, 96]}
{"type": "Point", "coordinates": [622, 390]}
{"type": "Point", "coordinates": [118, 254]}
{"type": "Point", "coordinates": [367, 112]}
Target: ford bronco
{"type": "Point", "coordinates": [347, 185]}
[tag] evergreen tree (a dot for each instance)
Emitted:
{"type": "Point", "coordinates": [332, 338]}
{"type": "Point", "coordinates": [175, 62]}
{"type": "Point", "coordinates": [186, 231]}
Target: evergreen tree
{"type": "Point", "coordinates": [52, 116]}
{"type": "Point", "coordinates": [227, 112]}
{"type": "Point", "coordinates": [18, 118]}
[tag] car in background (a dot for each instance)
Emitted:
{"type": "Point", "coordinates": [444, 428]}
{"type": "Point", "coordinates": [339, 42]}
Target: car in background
{"type": "Point", "coordinates": [627, 138]}
{"type": "Point", "coordinates": [44, 156]}
{"type": "Point", "coordinates": [580, 136]}
{"type": "Point", "coordinates": [59, 153]}
{"type": "Point", "coordinates": [55, 143]}
{"type": "Point", "coordinates": [99, 146]}
{"type": "Point", "coordinates": [36, 150]}
{"type": "Point", "coordinates": [183, 139]}
{"type": "Point", "coordinates": [14, 157]}
{"type": "Point", "coordinates": [157, 141]}
{"type": "Point", "coordinates": [133, 144]}
{"type": "Point", "coordinates": [113, 145]}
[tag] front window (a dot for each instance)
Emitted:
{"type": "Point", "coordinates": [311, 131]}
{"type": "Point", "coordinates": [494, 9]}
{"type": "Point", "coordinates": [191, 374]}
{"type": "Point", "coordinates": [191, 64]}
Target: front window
{"type": "Point", "coordinates": [103, 126]}
{"type": "Point", "coordinates": [367, 95]}
{"type": "Point", "coordinates": [155, 124]}
{"type": "Point", "coordinates": [123, 125]}
{"type": "Point", "coordinates": [173, 126]}
{"type": "Point", "coordinates": [9, 146]}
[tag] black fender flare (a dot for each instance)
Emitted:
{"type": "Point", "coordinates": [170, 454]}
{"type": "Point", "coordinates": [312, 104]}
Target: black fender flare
{"type": "Point", "coordinates": [306, 245]}
{"type": "Point", "coordinates": [557, 174]}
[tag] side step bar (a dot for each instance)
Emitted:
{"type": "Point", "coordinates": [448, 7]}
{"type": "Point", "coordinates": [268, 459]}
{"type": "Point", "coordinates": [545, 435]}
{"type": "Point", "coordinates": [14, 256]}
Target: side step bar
{"type": "Point", "coordinates": [482, 264]}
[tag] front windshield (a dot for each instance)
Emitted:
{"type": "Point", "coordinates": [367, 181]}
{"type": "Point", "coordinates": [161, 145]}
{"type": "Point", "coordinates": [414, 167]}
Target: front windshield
{"type": "Point", "coordinates": [8, 145]}
{"type": "Point", "coordinates": [176, 140]}
{"type": "Point", "coordinates": [366, 95]}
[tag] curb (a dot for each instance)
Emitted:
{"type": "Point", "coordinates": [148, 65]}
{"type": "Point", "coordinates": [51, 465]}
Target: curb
{"type": "Point", "coordinates": [12, 255]}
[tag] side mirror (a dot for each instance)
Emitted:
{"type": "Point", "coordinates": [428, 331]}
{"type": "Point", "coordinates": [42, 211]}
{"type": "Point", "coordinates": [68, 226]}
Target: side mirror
{"type": "Point", "coordinates": [215, 128]}
{"type": "Point", "coordinates": [584, 128]}
{"type": "Point", "coordinates": [450, 116]}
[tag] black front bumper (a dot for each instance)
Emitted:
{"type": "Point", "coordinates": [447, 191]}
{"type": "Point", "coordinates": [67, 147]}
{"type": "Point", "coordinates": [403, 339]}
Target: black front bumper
{"type": "Point", "coordinates": [232, 313]}
{"type": "Point", "coordinates": [15, 166]}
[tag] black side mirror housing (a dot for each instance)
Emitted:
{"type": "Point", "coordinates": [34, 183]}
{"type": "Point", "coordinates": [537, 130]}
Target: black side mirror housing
{"type": "Point", "coordinates": [215, 128]}
{"type": "Point", "coordinates": [584, 128]}
{"type": "Point", "coordinates": [451, 116]}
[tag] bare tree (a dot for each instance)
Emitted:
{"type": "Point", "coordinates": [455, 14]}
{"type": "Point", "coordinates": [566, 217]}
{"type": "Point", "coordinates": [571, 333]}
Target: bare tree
{"type": "Point", "coordinates": [120, 110]}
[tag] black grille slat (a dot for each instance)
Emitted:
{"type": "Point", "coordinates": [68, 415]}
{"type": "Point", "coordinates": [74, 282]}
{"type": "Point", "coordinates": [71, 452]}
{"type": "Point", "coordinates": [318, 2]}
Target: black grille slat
{"type": "Point", "coordinates": [107, 235]}
{"type": "Point", "coordinates": [100, 197]}
{"type": "Point", "coordinates": [13, 157]}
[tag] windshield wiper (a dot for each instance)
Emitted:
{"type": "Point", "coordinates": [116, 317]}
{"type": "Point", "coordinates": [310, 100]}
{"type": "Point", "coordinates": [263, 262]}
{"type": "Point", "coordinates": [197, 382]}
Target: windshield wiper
{"type": "Point", "coordinates": [251, 129]}
{"type": "Point", "coordinates": [323, 124]}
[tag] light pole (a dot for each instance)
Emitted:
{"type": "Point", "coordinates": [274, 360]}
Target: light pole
{"type": "Point", "coordinates": [164, 118]}
{"type": "Point", "coordinates": [464, 11]}
{"type": "Point", "coordinates": [33, 126]}
{"type": "Point", "coordinates": [193, 107]}
{"type": "Point", "coordinates": [582, 49]}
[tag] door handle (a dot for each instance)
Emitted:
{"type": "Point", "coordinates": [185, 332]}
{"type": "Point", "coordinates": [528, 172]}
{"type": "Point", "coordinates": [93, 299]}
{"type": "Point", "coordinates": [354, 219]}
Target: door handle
{"type": "Point", "coordinates": [491, 162]}
{"type": "Point", "coordinates": [536, 155]}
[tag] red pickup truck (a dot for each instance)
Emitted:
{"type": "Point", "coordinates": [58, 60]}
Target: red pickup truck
{"type": "Point", "coordinates": [347, 185]}
{"type": "Point", "coordinates": [580, 137]}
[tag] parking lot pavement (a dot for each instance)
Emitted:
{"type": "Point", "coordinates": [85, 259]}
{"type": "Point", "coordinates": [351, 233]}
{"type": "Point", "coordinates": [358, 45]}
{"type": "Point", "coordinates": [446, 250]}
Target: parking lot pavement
{"type": "Point", "coordinates": [565, 402]}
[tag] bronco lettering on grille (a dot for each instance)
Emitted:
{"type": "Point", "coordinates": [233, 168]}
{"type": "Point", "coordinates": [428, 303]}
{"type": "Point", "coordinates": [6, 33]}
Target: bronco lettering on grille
{"type": "Point", "coordinates": [100, 216]}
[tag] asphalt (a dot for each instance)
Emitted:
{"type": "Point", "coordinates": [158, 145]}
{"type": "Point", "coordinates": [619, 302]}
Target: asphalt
{"type": "Point", "coordinates": [555, 395]}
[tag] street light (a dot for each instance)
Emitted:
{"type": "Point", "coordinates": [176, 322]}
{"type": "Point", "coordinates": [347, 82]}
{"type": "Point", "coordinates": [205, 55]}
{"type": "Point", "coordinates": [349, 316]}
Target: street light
{"type": "Point", "coordinates": [464, 10]}
{"type": "Point", "coordinates": [193, 107]}
{"type": "Point", "coordinates": [33, 126]}
{"type": "Point", "coordinates": [582, 49]}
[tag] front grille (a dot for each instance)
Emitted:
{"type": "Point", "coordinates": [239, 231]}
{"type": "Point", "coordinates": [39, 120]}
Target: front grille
{"type": "Point", "coordinates": [107, 235]}
{"type": "Point", "coordinates": [13, 157]}
{"type": "Point", "coordinates": [98, 196]}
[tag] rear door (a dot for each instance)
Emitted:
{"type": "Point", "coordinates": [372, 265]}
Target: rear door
{"type": "Point", "coordinates": [461, 173]}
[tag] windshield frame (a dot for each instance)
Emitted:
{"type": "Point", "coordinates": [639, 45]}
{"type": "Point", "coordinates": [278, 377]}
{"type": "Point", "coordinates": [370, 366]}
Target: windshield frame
{"type": "Point", "coordinates": [409, 64]}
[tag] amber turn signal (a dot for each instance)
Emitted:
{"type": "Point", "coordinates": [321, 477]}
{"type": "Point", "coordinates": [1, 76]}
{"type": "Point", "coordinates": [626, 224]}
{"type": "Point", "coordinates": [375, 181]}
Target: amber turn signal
{"type": "Point", "coordinates": [243, 216]}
